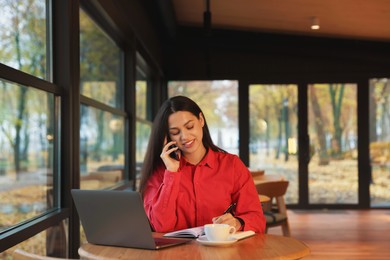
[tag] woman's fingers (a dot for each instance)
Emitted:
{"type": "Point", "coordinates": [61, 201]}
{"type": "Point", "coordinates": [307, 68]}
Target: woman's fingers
{"type": "Point", "coordinates": [168, 147]}
{"type": "Point", "coordinates": [170, 163]}
{"type": "Point", "coordinates": [227, 219]}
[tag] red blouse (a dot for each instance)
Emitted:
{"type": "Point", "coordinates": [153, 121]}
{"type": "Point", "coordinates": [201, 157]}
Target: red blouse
{"type": "Point", "coordinates": [194, 195]}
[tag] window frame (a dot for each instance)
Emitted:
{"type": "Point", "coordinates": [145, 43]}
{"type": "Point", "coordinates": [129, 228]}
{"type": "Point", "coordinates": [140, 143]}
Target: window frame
{"type": "Point", "coordinates": [51, 217]}
{"type": "Point", "coordinates": [92, 12]}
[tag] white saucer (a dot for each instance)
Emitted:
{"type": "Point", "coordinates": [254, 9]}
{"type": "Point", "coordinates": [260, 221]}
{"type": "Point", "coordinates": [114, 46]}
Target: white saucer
{"type": "Point", "coordinates": [203, 240]}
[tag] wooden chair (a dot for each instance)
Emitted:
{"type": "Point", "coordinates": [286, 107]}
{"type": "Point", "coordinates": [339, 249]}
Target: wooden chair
{"type": "Point", "coordinates": [275, 214]}
{"type": "Point", "coordinates": [20, 254]}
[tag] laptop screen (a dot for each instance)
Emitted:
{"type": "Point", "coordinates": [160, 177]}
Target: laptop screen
{"type": "Point", "coordinates": [115, 218]}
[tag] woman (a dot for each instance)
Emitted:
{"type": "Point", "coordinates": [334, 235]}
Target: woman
{"type": "Point", "coordinates": [197, 186]}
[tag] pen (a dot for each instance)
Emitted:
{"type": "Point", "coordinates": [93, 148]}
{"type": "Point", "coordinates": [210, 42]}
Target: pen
{"type": "Point", "coordinates": [230, 208]}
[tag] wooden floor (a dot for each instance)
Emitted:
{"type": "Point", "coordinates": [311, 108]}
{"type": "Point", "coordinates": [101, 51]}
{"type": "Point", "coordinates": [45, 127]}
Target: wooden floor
{"type": "Point", "coordinates": [342, 234]}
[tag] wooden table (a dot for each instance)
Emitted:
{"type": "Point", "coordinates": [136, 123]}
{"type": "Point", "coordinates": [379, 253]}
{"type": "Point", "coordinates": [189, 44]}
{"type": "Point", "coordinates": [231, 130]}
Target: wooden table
{"type": "Point", "coordinates": [260, 246]}
{"type": "Point", "coordinates": [267, 178]}
{"type": "Point", "coordinates": [264, 198]}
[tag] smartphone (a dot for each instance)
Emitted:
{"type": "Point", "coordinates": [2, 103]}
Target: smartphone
{"type": "Point", "coordinates": [174, 154]}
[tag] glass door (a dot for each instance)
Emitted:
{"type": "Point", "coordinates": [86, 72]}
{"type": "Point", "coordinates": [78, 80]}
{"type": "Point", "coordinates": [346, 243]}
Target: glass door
{"type": "Point", "coordinates": [332, 127]}
{"type": "Point", "coordinates": [380, 142]}
{"type": "Point", "coordinates": [273, 135]}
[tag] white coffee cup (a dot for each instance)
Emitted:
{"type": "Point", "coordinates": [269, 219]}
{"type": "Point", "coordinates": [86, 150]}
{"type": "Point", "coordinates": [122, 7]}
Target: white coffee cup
{"type": "Point", "coordinates": [218, 232]}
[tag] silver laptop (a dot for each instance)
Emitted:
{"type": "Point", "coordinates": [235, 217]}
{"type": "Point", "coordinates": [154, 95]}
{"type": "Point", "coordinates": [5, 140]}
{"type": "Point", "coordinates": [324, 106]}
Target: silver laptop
{"type": "Point", "coordinates": [117, 218]}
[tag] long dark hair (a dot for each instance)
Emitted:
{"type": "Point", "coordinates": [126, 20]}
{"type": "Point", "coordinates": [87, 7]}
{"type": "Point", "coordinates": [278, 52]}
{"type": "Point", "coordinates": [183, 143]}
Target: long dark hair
{"type": "Point", "coordinates": [160, 131]}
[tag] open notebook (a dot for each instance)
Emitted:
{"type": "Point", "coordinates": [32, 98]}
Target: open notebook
{"type": "Point", "coordinates": [188, 232]}
{"type": "Point", "coordinates": [117, 218]}
{"type": "Point", "coordinates": [196, 232]}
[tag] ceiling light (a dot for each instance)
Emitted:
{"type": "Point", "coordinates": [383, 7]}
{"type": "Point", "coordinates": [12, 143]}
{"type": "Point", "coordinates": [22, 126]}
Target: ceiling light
{"type": "Point", "coordinates": [315, 23]}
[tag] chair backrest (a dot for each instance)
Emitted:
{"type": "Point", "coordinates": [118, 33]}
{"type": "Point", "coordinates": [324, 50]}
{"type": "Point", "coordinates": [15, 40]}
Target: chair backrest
{"type": "Point", "coordinates": [20, 254]}
{"type": "Point", "coordinates": [274, 189]}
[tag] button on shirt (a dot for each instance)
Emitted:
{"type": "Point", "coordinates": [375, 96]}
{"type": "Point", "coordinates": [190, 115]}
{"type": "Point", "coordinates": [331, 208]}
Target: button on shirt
{"type": "Point", "coordinates": [195, 194]}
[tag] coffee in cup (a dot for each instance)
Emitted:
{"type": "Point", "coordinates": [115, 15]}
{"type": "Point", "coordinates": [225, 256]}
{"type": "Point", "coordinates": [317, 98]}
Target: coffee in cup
{"type": "Point", "coordinates": [218, 232]}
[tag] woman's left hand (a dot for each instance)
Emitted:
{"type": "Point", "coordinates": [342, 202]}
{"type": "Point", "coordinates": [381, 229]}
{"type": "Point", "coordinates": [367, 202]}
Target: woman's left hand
{"type": "Point", "coordinates": [227, 219]}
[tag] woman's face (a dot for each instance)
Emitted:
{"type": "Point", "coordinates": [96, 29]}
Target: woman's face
{"type": "Point", "coordinates": [187, 130]}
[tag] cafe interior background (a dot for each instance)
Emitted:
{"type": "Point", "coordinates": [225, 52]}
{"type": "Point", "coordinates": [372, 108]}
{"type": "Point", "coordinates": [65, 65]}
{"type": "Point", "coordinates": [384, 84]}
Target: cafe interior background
{"type": "Point", "coordinates": [81, 80]}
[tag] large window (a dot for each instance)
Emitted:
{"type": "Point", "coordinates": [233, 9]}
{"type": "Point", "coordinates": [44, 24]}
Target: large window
{"type": "Point", "coordinates": [143, 121]}
{"type": "Point", "coordinates": [273, 140]}
{"type": "Point", "coordinates": [29, 126]}
{"type": "Point", "coordinates": [100, 64]}
{"type": "Point", "coordinates": [101, 149]}
{"type": "Point", "coordinates": [218, 100]}
{"type": "Point", "coordinates": [333, 167]}
{"type": "Point", "coordinates": [380, 142]}
{"type": "Point", "coordinates": [46, 242]}
{"type": "Point", "coordinates": [24, 36]}
{"type": "Point", "coordinates": [26, 153]}
{"type": "Point", "coordinates": [102, 120]}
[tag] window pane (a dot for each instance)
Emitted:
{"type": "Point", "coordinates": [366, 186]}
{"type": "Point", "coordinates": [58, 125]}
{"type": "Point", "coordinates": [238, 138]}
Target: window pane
{"type": "Point", "coordinates": [143, 129]}
{"type": "Point", "coordinates": [50, 242]}
{"type": "Point", "coordinates": [26, 153]}
{"type": "Point", "coordinates": [101, 148]}
{"type": "Point", "coordinates": [333, 169]}
{"type": "Point", "coordinates": [218, 100]}
{"type": "Point", "coordinates": [100, 64]}
{"type": "Point", "coordinates": [143, 125]}
{"type": "Point", "coordinates": [141, 98]}
{"type": "Point", "coordinates": [23, 36]}
{"type": "Point", "coordinates": [380, 142]}
{"type": "Point", "coordinates": [274, 133]}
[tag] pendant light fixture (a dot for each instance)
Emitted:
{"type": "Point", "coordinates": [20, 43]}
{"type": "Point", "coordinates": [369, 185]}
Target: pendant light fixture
{"type": "Point", "coordinates": [207, 19]}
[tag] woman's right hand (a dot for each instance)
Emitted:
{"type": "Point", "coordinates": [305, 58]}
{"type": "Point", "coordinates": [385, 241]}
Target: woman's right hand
{"type": "Point", "coordinates": [171, 164]}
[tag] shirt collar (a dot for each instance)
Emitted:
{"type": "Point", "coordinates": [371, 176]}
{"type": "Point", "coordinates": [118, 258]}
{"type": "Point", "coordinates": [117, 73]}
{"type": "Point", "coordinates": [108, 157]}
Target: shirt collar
{"type": "Point", "coordinates": [208, 160]}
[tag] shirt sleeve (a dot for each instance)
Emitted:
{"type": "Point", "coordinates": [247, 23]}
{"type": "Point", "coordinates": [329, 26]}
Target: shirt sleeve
{"type": "Point", "coordinates": [248, 204]}
{"type": "Point", "coordinates": [160, 199]}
